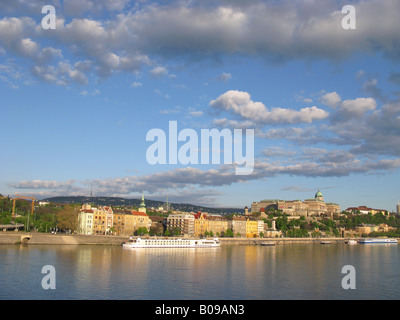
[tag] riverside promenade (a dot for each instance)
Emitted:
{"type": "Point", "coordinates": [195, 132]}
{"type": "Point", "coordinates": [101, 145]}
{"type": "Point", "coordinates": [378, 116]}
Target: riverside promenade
{"type": "Point", "coordinates": [34, 238]}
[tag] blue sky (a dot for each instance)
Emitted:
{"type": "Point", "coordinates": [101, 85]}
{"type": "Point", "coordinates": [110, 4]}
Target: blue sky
{"type": "Point", "coordinates": [77, 101]}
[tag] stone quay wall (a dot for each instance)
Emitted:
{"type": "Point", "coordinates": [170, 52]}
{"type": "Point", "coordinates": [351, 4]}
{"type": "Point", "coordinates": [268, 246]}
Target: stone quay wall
{"type": "Point", "coordinates": [12, 237]}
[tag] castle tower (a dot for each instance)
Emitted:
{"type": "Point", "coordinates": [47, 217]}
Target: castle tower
{"type": "Point", "coordinates": [142, 207]}
{"type": "Point", "coordinates": [398, 208]}
{"type": "Point", "coordinates": [319, 196]}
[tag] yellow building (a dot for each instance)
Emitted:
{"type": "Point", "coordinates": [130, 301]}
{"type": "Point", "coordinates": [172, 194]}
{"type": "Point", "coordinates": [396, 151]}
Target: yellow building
{"type": "Point", "coordinates": [251, 228]}
{"type": "Point", "coordinates": [217, 224]}
{"type": "Point", "coordinates": [127, 222]}
{"type": "Point", "coordinates": [366, 228]}
{"type": "Point", "coordinates": [99, 222]}
{"type": "Point", "coordinates": [140, 220]}
{"type": "Point", "coordinates": [200, 224]}
{"type": "Point", "coordinates": [119, 223]}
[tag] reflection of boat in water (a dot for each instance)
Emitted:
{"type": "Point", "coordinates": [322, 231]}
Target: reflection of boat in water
{"type": "Point", "coordinates": [268, 243]}
{"type": "Point", "coordinates": [351, 242]}
{"type": "Point", "coordinates": [171, 243]}
{"type": "Point", "coordinates": [378, 240]}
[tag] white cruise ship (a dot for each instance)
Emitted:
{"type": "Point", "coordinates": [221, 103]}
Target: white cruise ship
{"type": "Point", "coordinates": [377, 240]}
{"type": "Point", "coordinates": [171, 243]}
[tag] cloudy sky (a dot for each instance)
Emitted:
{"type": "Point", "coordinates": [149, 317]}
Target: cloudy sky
{"type": "Point", "coordinates": [77, 101]}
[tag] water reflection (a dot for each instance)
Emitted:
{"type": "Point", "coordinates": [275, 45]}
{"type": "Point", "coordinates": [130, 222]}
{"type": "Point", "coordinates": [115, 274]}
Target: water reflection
{"type": "Point", "coordinates": [298, 271]}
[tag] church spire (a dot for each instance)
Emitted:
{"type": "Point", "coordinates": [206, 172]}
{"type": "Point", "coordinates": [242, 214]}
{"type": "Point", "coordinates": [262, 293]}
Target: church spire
{"type": "Point", "coordinates": [142, 207]}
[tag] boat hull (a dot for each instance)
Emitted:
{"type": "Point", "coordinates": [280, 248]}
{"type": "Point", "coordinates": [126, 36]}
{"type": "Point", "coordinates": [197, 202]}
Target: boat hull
{"type": "Point", "coordinates": [378, 241]}
{"type": "Point", "coordinates": [267, 244]}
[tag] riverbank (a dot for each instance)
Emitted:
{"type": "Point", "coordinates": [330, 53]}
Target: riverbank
{"type": "Point", "coordinates": [66, 239]}
{"type": "Point", "coordinates": [58, 239]}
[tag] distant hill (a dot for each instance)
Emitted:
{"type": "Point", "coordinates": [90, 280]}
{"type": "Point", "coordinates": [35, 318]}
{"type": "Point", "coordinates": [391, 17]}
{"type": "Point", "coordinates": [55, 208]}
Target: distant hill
{"type": "Point", "coordinates": [123, 202]}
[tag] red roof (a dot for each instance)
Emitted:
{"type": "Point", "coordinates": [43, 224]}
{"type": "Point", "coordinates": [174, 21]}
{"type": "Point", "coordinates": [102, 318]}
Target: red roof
{"type": "Point", "coordinates": [197, 215]}
{"type": "Point", "coordinates": [137, 213]}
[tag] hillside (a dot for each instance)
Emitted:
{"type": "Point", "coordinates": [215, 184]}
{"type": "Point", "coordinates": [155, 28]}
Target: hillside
{"type": "Point", "coordinates": [122, 202]}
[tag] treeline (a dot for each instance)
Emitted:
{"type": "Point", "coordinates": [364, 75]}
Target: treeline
{"type": "Point", "coordinates": [350, 221]}
{"type": "Point", "coordinates": [303, 227]}
{"type": "Point", "coordinates": [62, 217]}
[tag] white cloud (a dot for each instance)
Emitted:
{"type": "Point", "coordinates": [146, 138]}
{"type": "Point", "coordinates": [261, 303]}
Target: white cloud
{"type": "Point", "coordinates": [358, 106]}
{"type": "Point", "coordinates": [240, 103]}
{"type": "Point", "coordinates": [224, 76]}
{"type": "Point", "coordinates": [331, 99]}
{"type": "Point", "coordinates": [274, 31]}
{"type": "Point", "coordinates": [61, 74]}
{"type": "Point", "coordinates": [136, 84]}
{"type": "Point", "coordinates": [159, 71]}
{"type": "Point", "coordinates": [195, 113]}
{"type": "Point", "coordinates": [181, 180]}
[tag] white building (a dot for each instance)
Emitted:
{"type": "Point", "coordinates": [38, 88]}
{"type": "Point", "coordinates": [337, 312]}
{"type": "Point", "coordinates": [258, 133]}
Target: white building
{"type": "Point", "coordinates": [85, 220]}
{"type": "Point", "coordinates": [260, 226]}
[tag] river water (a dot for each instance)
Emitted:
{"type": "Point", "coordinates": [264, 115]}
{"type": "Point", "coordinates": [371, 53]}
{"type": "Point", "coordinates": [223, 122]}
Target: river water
{"type": "Point", "coordinates": [290, 271]}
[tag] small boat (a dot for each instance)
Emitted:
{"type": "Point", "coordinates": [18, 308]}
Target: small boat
{"type": "Point", "coordinates": [326, 242]}
{"type": "Point", "coordinates": [171, 243]}
{"type": "Point", "coordinates": [352, 242]}
{"type": "Point", "coordinates": [268, 243]}
{"type": "Point", "coordinates": [378, 240]}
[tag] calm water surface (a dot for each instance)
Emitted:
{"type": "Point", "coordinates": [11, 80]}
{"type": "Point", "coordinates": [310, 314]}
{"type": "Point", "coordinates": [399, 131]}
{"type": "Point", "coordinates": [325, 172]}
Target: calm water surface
{"type": "Point", "coordinates": [298, 271]}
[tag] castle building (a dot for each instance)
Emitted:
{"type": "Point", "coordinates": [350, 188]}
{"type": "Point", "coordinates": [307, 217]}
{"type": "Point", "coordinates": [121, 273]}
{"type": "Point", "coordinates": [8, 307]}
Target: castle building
{"type": "Point", "coordinates": [309, 207]}
{"type": "Point", "coordinates": [398, 208]}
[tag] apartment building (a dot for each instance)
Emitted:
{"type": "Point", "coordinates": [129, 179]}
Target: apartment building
{"type": "Point", "coordinates": [217, 224]}
{"type": "Point", "coordinates": [85, 220]}
{"type": "Point", "coordinates": [201, 224]}
{"type": "Point", "coordinates": [181, 221]}
{"type": "Point", "coordinates": [238, 226]}
{"type": "Point", "coordinates": [251, 228]}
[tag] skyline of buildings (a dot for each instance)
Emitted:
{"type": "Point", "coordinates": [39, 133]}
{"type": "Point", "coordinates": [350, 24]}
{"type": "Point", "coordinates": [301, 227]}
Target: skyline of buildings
{"type": "Point", "coordinates": [122, 222]}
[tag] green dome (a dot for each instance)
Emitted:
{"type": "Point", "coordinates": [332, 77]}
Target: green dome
{"type": "Point", "coordinates": [318, 194]}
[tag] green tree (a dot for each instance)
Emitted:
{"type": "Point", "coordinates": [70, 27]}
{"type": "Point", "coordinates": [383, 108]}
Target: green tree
{"type": "Point", "coordinates": [67, 218]}
{"type": "Point", "coordinates": [141, 231]}
{"type": "Point", "coordinates": [282, 223]}
{"type": "Point", "coordinates": [176, 231]}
